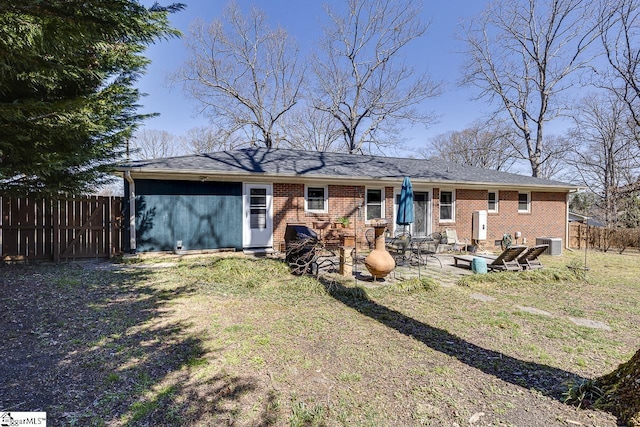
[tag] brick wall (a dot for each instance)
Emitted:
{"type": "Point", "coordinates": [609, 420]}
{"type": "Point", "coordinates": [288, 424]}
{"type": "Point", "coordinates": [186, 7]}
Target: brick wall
{"type": "Point", "coordinates": [546, 218]}
{"type": "Point", "coordinates": [466, 201]}
{"type": "Point", "coordinates": [288, 207]}
{"type": "Point", "coordinates": [388, 205]}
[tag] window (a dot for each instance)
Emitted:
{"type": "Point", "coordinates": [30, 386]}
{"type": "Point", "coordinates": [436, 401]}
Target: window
{"type": "Point", "coordinates": [447, 206]}
{"type": "Point", "coordinates": [316, 199]}
{"type": "Point", "coordinates": [524, 202]}
{"type": "Point", "coordinates": [375, 204]}
{"type": "Point", "coordinates": [258, 207]}
{"type": "Point", "coordinates": [492, 201]}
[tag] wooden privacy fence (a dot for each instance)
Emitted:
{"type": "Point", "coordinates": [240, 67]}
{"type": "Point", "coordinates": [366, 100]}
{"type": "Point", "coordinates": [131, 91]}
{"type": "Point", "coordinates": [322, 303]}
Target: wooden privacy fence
{"type": "Point", "coordinates": [603, 238]}
{"type": "Point", "coordinates": [60, 229]}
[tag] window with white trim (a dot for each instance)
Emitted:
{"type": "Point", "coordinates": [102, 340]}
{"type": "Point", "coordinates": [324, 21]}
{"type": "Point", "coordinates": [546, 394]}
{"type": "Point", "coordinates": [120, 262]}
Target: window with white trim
{"type": "Point", "coordinates": [524, 202]}
{"type": "Point", "coordinates": [492, 202]}
{"type": "Point", "coordinates": [374, 203]}
{"type": "Point", "coordinates": [447, 206]}
{"type": "Point", "coordinates": [316, 199]}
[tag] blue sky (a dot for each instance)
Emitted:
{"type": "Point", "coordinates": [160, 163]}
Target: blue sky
{"type": "Point", "coordinates": [436, 52]}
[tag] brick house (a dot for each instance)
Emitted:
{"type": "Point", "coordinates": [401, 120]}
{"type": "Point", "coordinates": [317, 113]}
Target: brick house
{"type": "Point", "coordinates": [244, 199]}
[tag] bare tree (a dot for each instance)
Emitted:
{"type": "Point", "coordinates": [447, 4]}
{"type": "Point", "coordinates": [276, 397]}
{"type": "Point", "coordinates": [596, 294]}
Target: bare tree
{"type": "Point", "coordinates": [361, 79]}
{"type": "Point", "coordinates": [609, 158]}
{"type": "Point", "coordinates": [312, 129]}
{"type": "Point", "coordinates": [554, 156]}
{"type": "Point", "coordinates": [620, 37]}
{"type": "Point", "coordinates": [114, 188]}
{"type": "Point", "coordinates": [244, 74]}
{"type": "Point", "coordinates": [480, 145]}
{"type": "Point", "coordinates": [208, 139]}
{"type": "Point", "coordinates": [522, 55]}
{"type": "Point", "coordinates": [154, 144]}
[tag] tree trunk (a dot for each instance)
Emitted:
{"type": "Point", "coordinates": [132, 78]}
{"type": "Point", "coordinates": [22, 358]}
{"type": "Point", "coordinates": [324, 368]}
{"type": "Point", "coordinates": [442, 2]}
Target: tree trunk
{"type": "Point", "coordinates": [622, 392]}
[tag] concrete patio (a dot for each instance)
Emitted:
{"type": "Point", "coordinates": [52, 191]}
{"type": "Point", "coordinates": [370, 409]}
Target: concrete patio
{"type": "Point", "coordinates": [447, 274]}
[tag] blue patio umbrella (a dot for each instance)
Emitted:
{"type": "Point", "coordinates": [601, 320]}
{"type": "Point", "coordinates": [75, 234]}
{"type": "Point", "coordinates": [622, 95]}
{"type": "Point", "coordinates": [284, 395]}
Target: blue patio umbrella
{"type": "Point", "coordinates": [405, 214]}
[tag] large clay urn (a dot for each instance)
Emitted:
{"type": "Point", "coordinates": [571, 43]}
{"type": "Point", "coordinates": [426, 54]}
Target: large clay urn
{"type": "Point", "coordinates": [379, 262]}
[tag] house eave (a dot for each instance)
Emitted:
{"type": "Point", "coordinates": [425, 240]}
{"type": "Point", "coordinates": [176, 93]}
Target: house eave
{"type": "Point", "coordinates": [202, 175]}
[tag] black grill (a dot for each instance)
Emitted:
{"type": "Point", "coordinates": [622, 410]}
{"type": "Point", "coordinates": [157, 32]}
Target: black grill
{"type": "Point", "coordinates": [300, 242]}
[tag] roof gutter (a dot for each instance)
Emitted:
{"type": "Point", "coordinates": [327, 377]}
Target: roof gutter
{"type": "Point", "coordinates": [132, 211]}
{"type": "Point", "coordinates": [387, 181]}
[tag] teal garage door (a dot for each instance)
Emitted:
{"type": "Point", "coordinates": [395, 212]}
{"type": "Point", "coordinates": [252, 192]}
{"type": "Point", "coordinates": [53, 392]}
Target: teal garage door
{"type": "Point", "coordinates": [200, 215]}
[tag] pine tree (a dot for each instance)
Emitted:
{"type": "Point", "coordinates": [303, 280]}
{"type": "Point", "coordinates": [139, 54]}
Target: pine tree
{"type": "Point", "coordinates": [67, 88]}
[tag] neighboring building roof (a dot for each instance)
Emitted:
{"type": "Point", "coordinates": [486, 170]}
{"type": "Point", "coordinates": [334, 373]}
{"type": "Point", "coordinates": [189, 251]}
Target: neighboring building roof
{"type": "Point", "coordinates": [576, 217]}
{"type": "Point", "coordinates": [323, 165]}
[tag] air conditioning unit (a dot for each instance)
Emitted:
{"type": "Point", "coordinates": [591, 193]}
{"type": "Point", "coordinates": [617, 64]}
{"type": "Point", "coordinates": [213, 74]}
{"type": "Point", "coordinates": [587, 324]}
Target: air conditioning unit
{"type": "Point", "coordinates": [555, 244]}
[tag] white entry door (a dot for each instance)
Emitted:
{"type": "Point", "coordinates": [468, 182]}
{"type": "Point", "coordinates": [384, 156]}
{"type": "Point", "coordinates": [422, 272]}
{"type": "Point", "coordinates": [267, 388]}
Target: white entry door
{"type": "Point", "coordinates": [258, 216]}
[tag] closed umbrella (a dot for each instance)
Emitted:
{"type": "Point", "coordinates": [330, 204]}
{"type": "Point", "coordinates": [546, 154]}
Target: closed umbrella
{"type": "Point", "coordinates": [405, 214]}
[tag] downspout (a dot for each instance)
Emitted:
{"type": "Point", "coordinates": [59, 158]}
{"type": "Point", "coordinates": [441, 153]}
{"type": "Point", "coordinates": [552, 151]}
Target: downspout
{"type": "Point", "coordinates": [567, 234]}
{"type": "Point", "coordinates": [567, 243]}
{"type": "Point", "coordinates": [132, 211]}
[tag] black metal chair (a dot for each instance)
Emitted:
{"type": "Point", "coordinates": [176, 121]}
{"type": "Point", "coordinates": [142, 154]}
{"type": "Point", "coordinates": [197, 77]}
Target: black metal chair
{"type": "Point", "coordinates": [370, 237]}
{"type": "Point", "coordinates": [423, 249]}
{"type": "Point", "coordinates": [398, 245]}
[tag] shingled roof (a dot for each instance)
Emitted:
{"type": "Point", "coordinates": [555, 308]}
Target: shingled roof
{"type": "Point", "coordinates": [322, 165]}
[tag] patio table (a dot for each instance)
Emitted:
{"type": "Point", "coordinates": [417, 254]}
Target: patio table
{"type": "Point", "coordinates": [397, 247]}
{"type": "Point", "coordinates": [423, 248]}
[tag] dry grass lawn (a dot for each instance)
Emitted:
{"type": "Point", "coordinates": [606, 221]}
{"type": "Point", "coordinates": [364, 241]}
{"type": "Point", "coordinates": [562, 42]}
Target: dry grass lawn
{"type": "Point", "coordinates": [231, 340]}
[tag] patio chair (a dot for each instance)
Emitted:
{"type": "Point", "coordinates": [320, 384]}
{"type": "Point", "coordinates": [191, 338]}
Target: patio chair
{"type": "Point", "coordinates": [370, 236]}
{"type": "Point", "coordinates": [507, 260]}
{"type": "Point", "coordinates": [452, 239]}
{"type": "Point", "coordinates": [422, 249]}
{"type": "Point", "coordinates": [529, 258]}
{"type": "Point", "coordinates": [397, 246]}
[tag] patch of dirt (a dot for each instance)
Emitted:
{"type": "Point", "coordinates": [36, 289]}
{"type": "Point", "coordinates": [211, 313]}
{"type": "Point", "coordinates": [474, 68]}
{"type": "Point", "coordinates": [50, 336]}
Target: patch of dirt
{"type": "Point", "coordinates": [82, 341]}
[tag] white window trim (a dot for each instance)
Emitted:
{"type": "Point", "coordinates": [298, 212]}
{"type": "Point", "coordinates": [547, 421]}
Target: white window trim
{"type": "Point", "coordinates": [396, 227]}
{"type": "Point", "coordinates": [497, 209]}
{"type": "Point", "coordinates": [326, 199]}
{"type": "Point", "coordinates": [453, 205]}
{"type": "Point", "coordinates": [528, 202]}
{"type": "Point", "coordinates": [366, 202]}
{"type": "Point", "coordinates": [396, 194]}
